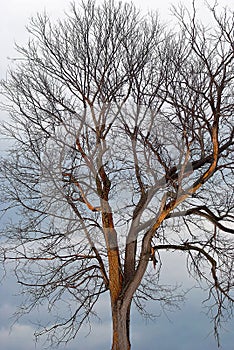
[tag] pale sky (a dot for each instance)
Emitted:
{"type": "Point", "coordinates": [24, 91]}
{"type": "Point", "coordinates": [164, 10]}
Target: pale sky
{"type": "Point", "coordinates": [15, 15]}
{"type": "Point", "coordinates": [187, 328]}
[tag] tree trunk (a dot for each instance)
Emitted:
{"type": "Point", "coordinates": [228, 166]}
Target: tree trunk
{"type": "Point", "coordinates": [121, 324]}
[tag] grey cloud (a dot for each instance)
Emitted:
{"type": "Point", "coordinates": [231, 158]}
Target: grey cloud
{"type": "Point", "coordinates": [20, 338]}
{"type": "Point", "coordinates": [185, 329]}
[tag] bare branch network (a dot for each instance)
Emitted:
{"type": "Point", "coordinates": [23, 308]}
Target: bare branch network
{"type": "Point", "coordinates": [123, 149]}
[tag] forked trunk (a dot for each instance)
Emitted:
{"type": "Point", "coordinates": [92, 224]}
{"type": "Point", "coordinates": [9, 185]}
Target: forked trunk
{"type": "Point", "coordinates": [121, 323]}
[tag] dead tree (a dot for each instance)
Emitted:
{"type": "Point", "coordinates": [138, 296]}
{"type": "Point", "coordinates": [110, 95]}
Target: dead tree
{"type": "Point", "coordinates": [123, 148]}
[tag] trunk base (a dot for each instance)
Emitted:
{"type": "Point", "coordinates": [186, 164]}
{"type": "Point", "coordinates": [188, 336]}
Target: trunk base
{"type": "Point", "coordinates": [121, 324]}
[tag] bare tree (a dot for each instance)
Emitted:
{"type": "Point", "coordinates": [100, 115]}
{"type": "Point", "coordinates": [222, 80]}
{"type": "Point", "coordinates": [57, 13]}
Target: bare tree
{"type": "Point", "coordinates": [123, 148]}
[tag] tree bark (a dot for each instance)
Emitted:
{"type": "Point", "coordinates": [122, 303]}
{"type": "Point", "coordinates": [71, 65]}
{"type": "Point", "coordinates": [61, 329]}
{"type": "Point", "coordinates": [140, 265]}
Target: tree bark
{"type": "Point", "coordinates": [121, 326]}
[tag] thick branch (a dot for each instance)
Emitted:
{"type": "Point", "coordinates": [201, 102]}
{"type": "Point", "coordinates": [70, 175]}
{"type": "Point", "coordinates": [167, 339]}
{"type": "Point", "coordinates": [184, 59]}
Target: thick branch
{"type": "Point", "coordinates": [208, 215]}
{"type": "Point", "coordinates": [83, 197]}
{"type": "Point", "coordinates": [188, 247]}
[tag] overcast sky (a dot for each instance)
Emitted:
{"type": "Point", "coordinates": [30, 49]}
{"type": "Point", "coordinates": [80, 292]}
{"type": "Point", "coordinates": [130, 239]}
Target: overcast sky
{"type": "Point", "coordinates": [185, 329]}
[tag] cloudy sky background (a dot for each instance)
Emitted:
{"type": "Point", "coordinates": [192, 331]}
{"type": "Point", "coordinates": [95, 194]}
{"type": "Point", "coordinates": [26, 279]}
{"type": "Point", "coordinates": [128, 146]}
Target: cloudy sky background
{"type": "Point", "coordinates": [185, 329]}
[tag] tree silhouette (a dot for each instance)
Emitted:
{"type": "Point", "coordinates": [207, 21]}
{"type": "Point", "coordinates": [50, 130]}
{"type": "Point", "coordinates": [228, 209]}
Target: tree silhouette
{"type": "Point", "coordinates": [123, 148]}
